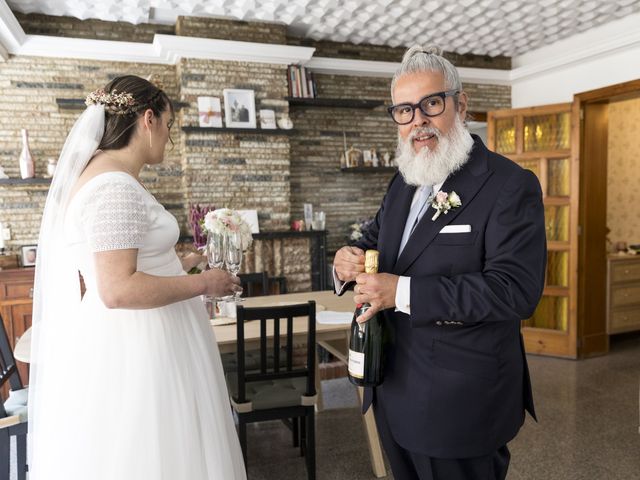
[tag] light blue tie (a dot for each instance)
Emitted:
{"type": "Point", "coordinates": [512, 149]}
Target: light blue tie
{"type": "Point", "coordinates": [415, 214]}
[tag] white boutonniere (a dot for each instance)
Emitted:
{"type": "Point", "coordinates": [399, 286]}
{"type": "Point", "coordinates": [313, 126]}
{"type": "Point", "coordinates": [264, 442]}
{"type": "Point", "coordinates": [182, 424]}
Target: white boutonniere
{"type": "Point", "coordinates": [443, 202]}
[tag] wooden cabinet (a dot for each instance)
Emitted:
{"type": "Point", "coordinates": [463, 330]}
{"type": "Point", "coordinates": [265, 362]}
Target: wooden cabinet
{"type": "Point", "coordinates": [623, 293]}
{"type": "Point", "coordinates": [16, 301]}
{"type": "Point", "coordinates": [542, 140]}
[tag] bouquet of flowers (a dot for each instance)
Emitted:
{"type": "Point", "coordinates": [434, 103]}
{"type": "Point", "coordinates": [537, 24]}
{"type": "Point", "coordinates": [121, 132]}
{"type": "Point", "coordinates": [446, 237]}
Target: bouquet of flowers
{"type": "Point", "coordinates": [225, 220]}
{"type": "Point", "coordinates": [197, 213]}
{"type": "Point", "coordinates": [358, 228]}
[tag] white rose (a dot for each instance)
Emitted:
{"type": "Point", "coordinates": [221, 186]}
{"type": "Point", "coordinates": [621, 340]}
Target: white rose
{"type": "Point", "coordinates": [454, 199]}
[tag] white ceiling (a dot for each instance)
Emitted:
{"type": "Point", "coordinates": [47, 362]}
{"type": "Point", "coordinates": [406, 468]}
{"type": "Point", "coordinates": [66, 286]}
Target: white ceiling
{"type": "Point", "coordinates": [484, 27]}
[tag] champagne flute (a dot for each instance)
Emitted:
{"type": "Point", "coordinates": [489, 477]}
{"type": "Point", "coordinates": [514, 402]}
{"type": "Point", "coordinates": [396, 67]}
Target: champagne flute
{"type": "Point", "coordinates": [215, 250]}
{"type": "Point", "coordinates": [233, 257]}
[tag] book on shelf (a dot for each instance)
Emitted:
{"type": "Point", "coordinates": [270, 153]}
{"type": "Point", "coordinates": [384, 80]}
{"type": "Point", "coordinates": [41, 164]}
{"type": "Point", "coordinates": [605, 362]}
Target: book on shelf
{"type": "Point", "coordinates": [301, 82]}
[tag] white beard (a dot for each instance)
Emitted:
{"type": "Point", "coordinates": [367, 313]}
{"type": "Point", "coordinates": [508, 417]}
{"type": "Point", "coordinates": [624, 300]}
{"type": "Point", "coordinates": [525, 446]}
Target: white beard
{"type": "Point", "coordinates": [431, 167]}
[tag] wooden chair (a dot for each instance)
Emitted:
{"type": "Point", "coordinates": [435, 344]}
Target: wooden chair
{"type": "Point", "coordinates": [277, 390]}
{"type": "Point", "coordinates": [13, 413]}
{"type": "Point", "coordinates": [281, 282]}
{"type": "Point", "coordinates": [250, 281]}
{"type": "Point", "coordinates": [261, 283]}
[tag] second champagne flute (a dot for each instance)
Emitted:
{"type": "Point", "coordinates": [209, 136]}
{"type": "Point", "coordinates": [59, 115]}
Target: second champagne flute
{"type": "Point", "coordinates": [233, 257]}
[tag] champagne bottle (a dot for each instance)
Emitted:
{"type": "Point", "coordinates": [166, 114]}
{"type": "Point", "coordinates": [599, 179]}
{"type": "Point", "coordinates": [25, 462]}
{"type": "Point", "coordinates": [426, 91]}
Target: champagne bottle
{"type": "Point", "coordinates": [27, 169]}
{"type": "Point", "coordinates": [366, 342]}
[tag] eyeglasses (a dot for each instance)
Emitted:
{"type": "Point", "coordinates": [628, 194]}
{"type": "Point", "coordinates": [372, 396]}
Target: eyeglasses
{"type": "Point", "coordinates": [432, 105]}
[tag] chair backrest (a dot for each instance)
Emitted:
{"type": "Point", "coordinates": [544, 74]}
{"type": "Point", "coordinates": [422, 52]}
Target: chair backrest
{"type": "Point", "coordinates": [281, 321]}
{"type": "Point", "coordinates": [250, 281]}
{"type": "Point", "coordinates": [281, 282]}
{"type": "Point", "coordinates": [8, 369]}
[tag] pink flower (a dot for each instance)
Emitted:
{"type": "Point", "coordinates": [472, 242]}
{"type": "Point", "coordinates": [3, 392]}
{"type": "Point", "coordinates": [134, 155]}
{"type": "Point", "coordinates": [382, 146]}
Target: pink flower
{"type": "Point", "coordinates": [441, 197]}
{"type": "Point", "coordinates": [443, 202]}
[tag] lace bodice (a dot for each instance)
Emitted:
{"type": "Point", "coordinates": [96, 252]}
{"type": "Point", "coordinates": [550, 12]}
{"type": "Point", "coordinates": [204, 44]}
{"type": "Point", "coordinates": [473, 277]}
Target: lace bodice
{"type": "Point", "coordinates": [112, 211]}
{"type": "Point", "coordinates": [114, 217]}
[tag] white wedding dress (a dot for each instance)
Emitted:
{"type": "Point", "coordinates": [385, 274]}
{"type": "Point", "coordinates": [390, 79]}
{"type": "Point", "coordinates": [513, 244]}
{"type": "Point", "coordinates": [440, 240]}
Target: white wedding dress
{"type": "Point", "coordinates": [138, 394]}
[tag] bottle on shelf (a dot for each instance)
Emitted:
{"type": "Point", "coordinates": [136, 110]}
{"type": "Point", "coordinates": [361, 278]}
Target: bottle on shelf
{"type": "Point", "coordinates": [367, 339]}
{"type": "Point", "coordinates": [27, 167]}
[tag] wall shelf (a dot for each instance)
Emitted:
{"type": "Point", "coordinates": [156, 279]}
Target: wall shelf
{"type": "Point", "coordinates": [231, 131]}
{"type": "Point", "coordinates": [334, 102]}
{"type": "Point", "coordinates": [369, 169]}
{"type": "Point", "coordinates": [25, 181]}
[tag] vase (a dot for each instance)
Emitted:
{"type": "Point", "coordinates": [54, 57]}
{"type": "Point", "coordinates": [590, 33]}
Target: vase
{"type": "Point", "coordinates": [27, 167]}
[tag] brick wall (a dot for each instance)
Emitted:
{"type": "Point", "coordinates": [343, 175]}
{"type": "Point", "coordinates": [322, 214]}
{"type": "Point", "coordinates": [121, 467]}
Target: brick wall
{"type": "Point", "coordinates": [260, 32]}
{"type": "Point", "coordinates": [382, 53]}
{"type": "Point", "coordinates": [240, 171]}
{"type": "Point", "coordinates": [316, 177]}
{"type": "Point", "coordinates": [30, 87]}
{"type": "Point", "coordinates": [37, 24]}
{"type": "Point", "coordinates": [272, 174]}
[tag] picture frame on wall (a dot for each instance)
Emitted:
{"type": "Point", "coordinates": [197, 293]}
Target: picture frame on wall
{"type": "Point", "coordinates": [239, 108]}
{"type": "Point", "coordinates": [209, 112]}
{"type": "Point", "coordinates": [28, 255]}
{"type": "Point", "coordinates": [251, 217]}
{"type": "Point", "coordinates": [268, 119]}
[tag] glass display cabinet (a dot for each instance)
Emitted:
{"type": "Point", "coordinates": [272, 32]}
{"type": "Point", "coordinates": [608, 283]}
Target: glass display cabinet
{"type": "Point", "coordinates": [540, 139]}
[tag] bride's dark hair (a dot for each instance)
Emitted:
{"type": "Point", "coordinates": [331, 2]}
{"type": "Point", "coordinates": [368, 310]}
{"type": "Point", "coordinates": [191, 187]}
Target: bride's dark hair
{"type": "Point", "coordinates": [120, 124]}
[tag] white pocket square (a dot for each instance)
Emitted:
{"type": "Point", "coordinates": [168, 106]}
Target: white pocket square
{"type": "Point", "coordinates": [456, 229]}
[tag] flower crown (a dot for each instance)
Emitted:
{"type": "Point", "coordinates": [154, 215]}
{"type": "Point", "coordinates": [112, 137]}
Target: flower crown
{"type": "Point", "coordinates": [119, 103]}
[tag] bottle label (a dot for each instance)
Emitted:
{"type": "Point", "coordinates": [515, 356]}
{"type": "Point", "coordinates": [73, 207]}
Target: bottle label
{"type": "Point", "coordinates": [356, 364]}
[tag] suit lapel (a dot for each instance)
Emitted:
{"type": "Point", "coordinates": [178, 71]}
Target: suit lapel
{"type": "Point", "coordinates": [466, 183]}
{"type": "Point", "coordinates": [395, 219]}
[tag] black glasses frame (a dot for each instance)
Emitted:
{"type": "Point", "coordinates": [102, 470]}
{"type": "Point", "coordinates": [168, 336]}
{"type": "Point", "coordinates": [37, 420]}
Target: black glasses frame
{"type": "Point", "coordinates": [442, 95]}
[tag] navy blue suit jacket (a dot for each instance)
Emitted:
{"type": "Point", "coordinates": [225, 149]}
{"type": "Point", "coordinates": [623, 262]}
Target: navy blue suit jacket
{"type": "Point", "coordinates": [456, 379]}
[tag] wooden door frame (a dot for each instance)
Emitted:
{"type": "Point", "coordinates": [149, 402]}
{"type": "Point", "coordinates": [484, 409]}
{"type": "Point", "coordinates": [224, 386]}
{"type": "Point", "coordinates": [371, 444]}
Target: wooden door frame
{"type": "Point", "coordinates": [592, 331]}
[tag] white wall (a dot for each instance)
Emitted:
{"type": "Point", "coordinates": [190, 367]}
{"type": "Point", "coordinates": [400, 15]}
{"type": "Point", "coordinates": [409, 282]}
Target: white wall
{"type": "Point", "coordinates": [601, 57]}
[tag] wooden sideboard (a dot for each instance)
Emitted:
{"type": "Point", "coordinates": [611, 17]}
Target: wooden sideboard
{"type": "Point", "coordinates": [623, 293]}
{"type": "Point", "coordinates": [16, 301]}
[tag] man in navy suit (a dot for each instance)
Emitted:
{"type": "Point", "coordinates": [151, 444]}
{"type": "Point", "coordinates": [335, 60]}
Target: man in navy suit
{"type": "Point", "coordinates": [458, 273]}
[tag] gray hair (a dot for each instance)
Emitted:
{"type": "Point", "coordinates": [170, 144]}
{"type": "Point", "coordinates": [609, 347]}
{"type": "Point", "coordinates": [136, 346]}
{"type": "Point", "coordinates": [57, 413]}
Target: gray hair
{"type": "Point", "coordinates": [418, 59]}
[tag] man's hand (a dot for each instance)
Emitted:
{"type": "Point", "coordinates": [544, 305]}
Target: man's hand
{"type": "Point", "coordinates": [348, 262]}
{"type": "Point", "coordinates": [377, 289]}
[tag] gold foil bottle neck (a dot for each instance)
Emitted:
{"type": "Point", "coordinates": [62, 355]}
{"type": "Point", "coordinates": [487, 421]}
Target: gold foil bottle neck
{"type": "Point", "coordinates": [371, 261]}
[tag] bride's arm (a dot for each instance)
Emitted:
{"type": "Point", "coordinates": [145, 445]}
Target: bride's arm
{"type": "Point", "coordinates": [120, 285]}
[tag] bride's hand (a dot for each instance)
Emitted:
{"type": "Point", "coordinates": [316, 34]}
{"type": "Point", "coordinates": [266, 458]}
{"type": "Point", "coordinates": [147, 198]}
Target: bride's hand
{"type": "Point", "coordinates": [220, 283]}
{"type": "Point", "coordinates": [192, 260]}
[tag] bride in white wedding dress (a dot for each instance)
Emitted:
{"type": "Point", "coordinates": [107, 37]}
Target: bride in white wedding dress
{"type": "Point", "coordinates": [126, 382]}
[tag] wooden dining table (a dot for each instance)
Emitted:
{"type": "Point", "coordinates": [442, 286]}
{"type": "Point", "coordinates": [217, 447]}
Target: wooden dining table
{"type": "Point", "coordinates": [332, 337]}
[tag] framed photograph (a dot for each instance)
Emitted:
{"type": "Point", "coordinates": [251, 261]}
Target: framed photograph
{"type": "Point", "coordinates": [267, 119]}
{"type": "Point", "coordinates": [251, 217]}
{"type": "Point", "coordinates": [209, 112]}
{"type": "Point", "coordinates": [239, 108]}
{"type": "Point", "coordinates": [28, 254]}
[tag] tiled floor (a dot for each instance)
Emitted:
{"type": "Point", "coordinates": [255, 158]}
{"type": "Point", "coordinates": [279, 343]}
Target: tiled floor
{"type": "Point", "coordinates": [588, 429]}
